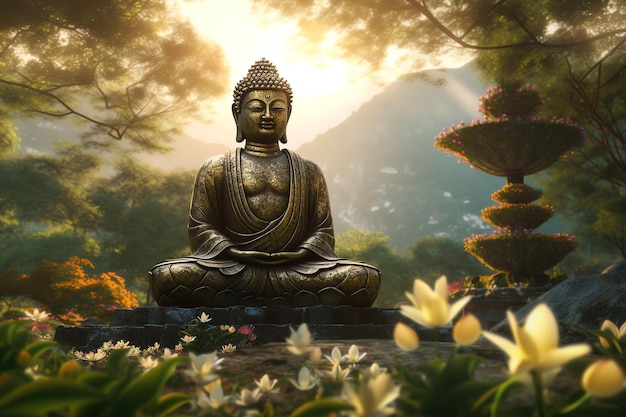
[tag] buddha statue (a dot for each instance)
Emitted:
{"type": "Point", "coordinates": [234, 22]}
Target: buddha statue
{"type": "Point", "coordinates": [260, 226]}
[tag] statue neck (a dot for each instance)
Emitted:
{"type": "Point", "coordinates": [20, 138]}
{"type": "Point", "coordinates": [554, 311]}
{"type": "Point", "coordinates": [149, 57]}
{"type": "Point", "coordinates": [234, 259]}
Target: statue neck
{"type": "Point", "coordinates": [262, 149]}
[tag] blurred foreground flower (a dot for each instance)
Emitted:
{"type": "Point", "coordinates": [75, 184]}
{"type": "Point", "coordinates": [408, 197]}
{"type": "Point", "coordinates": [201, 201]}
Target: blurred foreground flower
{"type": "Point", "coordinates": [467, 330]}
{"type": "Point", "coordinates": [603, 378]}
{"type": "Point", "coordinates": [536, 344]}
{"type": "Point", "coordinates": [203, 367]}
{"type": "Point", "coordinates": [300, 340]}
{"type": "Point", "coordinates": [36, 315]}
{"type": "Point", "coordinates": [406, 338]}
{"type": "Point", "coordinates": [430, 307]}
{"type": "Point", "coordinates": [247, 397]}
{"type": "Point", "coordinates": [373, 396]}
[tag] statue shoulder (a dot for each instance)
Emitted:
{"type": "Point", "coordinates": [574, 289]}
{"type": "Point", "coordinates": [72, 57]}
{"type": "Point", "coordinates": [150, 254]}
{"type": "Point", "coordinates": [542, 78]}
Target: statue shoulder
{"type": "Point", "coordinates": [310, 166]}
{"type": "Point", "coordinates": [213, 166]}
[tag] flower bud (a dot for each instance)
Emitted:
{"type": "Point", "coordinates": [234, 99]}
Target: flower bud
{"type": "Point", "coordinates": [23, 359]}
{"type": "Point", "coordinates": [603, 378]}
{"type": "Point", "coordinates": [467, 330]}
{"type": "Point", "coordinates": [406, 338]}
{"type": "Point", "coordinates": [69, 368]}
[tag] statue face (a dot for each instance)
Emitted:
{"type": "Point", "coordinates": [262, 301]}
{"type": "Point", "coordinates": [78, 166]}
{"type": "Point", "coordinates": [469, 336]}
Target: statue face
{"type": "Point", "coordinates": [264, 115]}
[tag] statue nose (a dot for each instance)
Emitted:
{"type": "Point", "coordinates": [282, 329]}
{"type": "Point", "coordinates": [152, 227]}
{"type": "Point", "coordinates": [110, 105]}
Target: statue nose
{"type": "Point", "coordinates": [267, 114]}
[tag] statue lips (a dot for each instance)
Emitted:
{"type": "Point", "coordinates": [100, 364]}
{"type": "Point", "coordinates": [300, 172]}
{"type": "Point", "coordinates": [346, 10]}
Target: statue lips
{"type": "Point", "coordinates": [268, 124]}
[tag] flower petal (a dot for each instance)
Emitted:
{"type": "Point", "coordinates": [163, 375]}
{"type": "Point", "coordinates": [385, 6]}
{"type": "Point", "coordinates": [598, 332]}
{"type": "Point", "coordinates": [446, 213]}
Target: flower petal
{"type": "Point", "coordinates": [457, 306]}
{"type": "Point", "coordinates": [441, 287]}
{"type": "Point", "coordinates": [560, 356]}
{"type": "Point", "coordinates": [405, 337]}
{"type": "Point", "coordinates": [414, 314]}
{"type": "Point", "coordinates": [504, 344]}
{"type": "Point", "coordinates": [542, 328]}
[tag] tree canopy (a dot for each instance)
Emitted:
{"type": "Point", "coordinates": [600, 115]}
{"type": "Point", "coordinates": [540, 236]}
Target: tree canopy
{"type": "Point", "coordinates": [125, 68]}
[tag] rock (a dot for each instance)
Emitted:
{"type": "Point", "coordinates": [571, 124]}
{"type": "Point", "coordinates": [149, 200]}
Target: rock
{"type": "Point", "coordinates": [582, 303]}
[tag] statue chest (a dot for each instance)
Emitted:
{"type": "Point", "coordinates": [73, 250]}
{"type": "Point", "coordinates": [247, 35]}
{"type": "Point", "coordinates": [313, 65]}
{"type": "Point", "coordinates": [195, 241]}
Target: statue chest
{"type": "Point", "coordinates": [266, 184]}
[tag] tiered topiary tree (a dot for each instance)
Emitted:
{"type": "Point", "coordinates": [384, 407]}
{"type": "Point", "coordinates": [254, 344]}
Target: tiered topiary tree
{"type": "Point", "coordinates": [512, 141]}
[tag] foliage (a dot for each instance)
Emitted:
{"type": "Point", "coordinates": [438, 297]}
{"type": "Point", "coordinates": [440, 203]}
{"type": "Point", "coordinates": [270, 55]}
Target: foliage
{"type": "Point", "coordinates": [514, 193]}
{"type": "Point", "coordinates": [517, 216]}
{"type": "Point", "coordinates": [520, 254]}
{"type": "Point", "coordinates": [68, 287]}
{"type": "Point", "coordinates": [433, 256]}
{"type": "Point", "coordinates": [375, 249]}
{"type": "Point", "coordinates": [510, 101]}
{"type": "Point", "coordinates": [125, 68]}
{"type": "Point", "coordinates": [200, 336]}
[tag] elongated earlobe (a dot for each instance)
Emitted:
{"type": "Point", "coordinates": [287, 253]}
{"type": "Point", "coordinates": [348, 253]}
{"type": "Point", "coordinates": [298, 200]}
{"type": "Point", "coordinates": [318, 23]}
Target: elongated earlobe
{"type": "Point", "coordinates": [239, 135]}
{"type": "Point", "coordinates": [283, 139]}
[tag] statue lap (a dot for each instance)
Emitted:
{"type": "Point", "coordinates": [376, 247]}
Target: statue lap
{"type": "Point", "coordinates": [186, 283]}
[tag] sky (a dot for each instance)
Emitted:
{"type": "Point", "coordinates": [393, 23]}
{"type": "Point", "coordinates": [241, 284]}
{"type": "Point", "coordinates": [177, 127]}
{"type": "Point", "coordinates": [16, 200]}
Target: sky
{"type": "Point", "coordinates": [324, 95]}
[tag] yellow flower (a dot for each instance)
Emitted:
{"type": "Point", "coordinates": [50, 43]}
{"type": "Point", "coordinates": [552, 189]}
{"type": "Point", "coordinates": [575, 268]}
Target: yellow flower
{"type": "Point", "coordinates": [406, 338]}
{"type": "Point", "coordinates": [315, 355]}
{"type": "Point", "coordinates": [300, 340]}
{"type": "Point", "coordinates": [536, 344]}
{"type": "Point", "coordinates": [69, 369]}
{"type": "Point", "coordinates": [603, 378]}
{"type": "Point", "coordinates": [430, 307]}
{"type": "Point", "coordinates": [148, 363]}
{"type": "Point", "coordinates": [617, 333]}
{"type": "Point", "coordinates": [372, 397]}
{"type": "Point", "coordinates": [467, 330]}
{"type": "Point", "coordinates": [247, 397]}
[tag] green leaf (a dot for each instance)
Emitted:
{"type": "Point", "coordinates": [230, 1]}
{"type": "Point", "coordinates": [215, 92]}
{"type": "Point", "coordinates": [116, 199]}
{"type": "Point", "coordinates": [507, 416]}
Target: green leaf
{"type": "Point", "coordinates": [146, 388]}
{"type": "Point", "coordinates": [321, 408]}
{"type": "Point", "coordinates": [38, 347]}
{"type": "Point", "coordinates": [44, 395]}
{"type": "Point", "coordinates": [171, 401]}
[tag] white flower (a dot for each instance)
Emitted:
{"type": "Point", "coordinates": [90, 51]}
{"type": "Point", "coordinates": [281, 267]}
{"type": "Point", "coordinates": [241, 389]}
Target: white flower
{"type": "Point", "coordinates": [372, 397]}
{"type": "Point", "coordinates": [603, 378]}
{"type": "Point", "coordinates": [148, 363]}
{"type": "Point", "coordinates": [536, 344]}
{"type": "Point", "coordinates": [91, 356]}
{"type": "Point", "coordinates": [354, 355]}
{"type": "Point", "coordinates": [122, 344]}
{"type": "Point", "coordinates": [305, 380]}
{"type": "Point", "coordinates": [203, 366]}
{"type": "Point", "coordinates": [430, 307]}
{"type": "Point", "coordinates": [133, 351]}
{"type": "Point", "coordinates": [335, 356]}
{"type": "Point", "coordinates": [405, 337]}
{"type": "Point", "coordinates": [106, 346]}
{"type": "Point", "coordinates": [228, 348]}
{"type": "Point", "coordinates": [167, 353]}
{"type": "Point", "coordinates": [204, 318]}
{"type": "Point", "coordinates": [187, 339]}
{"type": "Point", "coordinates": [178, 347]}
{"type": "Point", "coordinates": [265, 384]}
{"type": "Point", "coordinates": [467, 330]}
{"type": "Point", "coordinates": [36, 315]}
{"type": "Point", "coordinates": [300, 340]}
{"type": "Point", "coordinates": [247, 398]}
{"type": "Point", "coordinates": [337, 374]}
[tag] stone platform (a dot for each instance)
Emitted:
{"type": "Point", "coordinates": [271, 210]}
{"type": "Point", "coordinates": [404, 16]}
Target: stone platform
{"type": "Point", "coordinates": [143, 326]}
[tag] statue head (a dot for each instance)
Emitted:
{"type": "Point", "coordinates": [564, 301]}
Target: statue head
{"type": "Point", "coordinates": [262, 86]}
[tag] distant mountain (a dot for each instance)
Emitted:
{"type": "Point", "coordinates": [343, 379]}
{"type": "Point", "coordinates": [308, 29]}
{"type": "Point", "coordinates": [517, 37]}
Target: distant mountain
{"type": "Point", "coordinates": [187, 153]}
{"type": "Point", "coordinates": [384, 172]}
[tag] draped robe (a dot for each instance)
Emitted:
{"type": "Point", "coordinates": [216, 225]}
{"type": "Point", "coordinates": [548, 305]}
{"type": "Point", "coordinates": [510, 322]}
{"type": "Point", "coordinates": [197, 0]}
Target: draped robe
{"type": "Point", "coordinates": [220, 217]}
